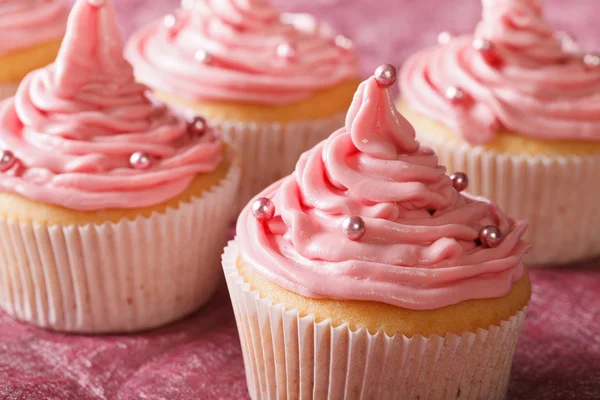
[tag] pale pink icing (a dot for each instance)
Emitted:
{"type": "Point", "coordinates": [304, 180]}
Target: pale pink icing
{"type": "Point", "coordinates": [531, 85]}
{"type": "Point", "coordinates": [242, 37]}
{"type": "Point", "coordinates": [408, 256]}
{"type": "Point", "coordinates": [74, 125]}
{"type": "Point", "coordinates": [25, 23]}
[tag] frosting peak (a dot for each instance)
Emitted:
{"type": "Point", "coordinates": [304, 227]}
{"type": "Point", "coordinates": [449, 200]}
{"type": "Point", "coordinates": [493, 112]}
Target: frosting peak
{"type": "Point", "coordinates": [26, 23]}
{"type": "Point", "coordinates": [516, 73]}
{"type": "Point", "coordinates": [92, 52]}
{"type": "Point", "coordinates": [420, 247]}
{"type": "Point", "coordinates": [75, 125]}
{"type": "Point", "coordinates": [376, 127]}
{"type": "Point", "coordinates": [519, 29]}
{"type": "Point", "coordinates": [239, 50]}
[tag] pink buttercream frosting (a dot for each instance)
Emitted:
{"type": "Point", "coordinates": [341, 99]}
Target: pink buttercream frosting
{"type": "Point", "coordinates": [529, 82]}
{"type": "Point", "coordinates": [25, 23]}
{"type": "Point", "coordinates": [420, 249]}
{"type": "Point", "coordinates": [74, 125]}
{"type": "Point", "coordinates": [242, 38]}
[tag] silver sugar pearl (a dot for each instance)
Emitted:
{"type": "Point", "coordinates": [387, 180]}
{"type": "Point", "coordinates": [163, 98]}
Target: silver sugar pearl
{"type": "Point", "coordinates": [386, 75]}
{"type": "Point", "coordinates": [591, 61]}
{"type": "Point", "coordinates": [482, 45]}
{"type": "Point", "coordinates": [343, 42]}
{"type": "Point", "coordinates": [460, 181]}
{"type": "Point", "coordinates": [286, 51]}
{"type": "Point", "coordinates": [567, 42]}
{"type": "Point", "coordinates": [455, 94]}
{"type": "Point", "coordinates": [490, 236]}
{"type": "Point", "coordinates": [170, 21]}
{"type": "Point", "coordinates": [140, 160]}
{"type": "Point", "coordinates": [444, 37]}
{"type": "Point", "coordinates": [7, 160]}
{"type": "Point", "coordinates": [263, 209]}
{"type": "Point", "coordinates": [354, 227]}
{"type": "Point", "coordinates": [197, 126]}
{"type": "Point", "coordinates": [203, 56]}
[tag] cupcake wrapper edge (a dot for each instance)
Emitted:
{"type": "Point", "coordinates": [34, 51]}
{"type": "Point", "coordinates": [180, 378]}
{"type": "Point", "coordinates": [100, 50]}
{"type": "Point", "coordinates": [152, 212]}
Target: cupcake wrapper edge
{"type": "Point", "coordinates": [289, 356]}
{"type": "Point", "coordinates": [116, 277]}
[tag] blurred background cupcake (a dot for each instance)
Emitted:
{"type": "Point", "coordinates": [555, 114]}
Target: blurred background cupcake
{"type": "Point", "coordinates": [366, 274]}
{"type": "Point", "coordinates": [517, 108]}
{"type": "Point", "coordinates": [113, 210]}
{"type": "Point", "coordinates": [276, 84]}
{"type": "Point", "coordinates": [30, 35]}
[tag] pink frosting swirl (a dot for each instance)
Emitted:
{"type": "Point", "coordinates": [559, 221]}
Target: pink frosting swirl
{"type": "Point", "coordinates": [527, 82]}
{"type": "Point", "coordinates": [25, 23]}
{"type": "Point", "coordinates": [420, 249]}
{"type": "Point", "coordinates": [242, 38]}
{"type": "Point", "coordinates": [74, 125]}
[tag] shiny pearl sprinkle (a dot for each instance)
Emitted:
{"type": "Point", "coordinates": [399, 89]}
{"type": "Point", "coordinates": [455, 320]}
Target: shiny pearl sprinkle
{"type": "Point", "coordinates": [460, 181]}
{"type": "Point", "coordinates": [140, 160]}
{"type": "Point", "coordinates": [591, 61]}
{"type": "Point", "coordinates": [386, 75]}
{"type": "Point", "coordinates": [490, 236]}
{"type": "Point", "coordinates": [444, 37]}
{"type": "Point", "coordinates": [203, 56]}
{"type": "Point", "coordinates": [263, 209]}
{"type": "Point", "coordinates": [7, 160]}
{"type": "Point", "coordinates": [96, 3]}
{"type": "Point", "coordinates": [343, 42]}
{"type": "Point", "coordinates": [567, 42]}
{"type": "Point", "coordinates": [286, 51]}
{"type": "Point", "coordinates": [455, 94]}
{"type": "Point", "coordinates": [197, 126]}
{"type": "Point", "coordinates": [482, 45]}
{"type": "Point", "coordinates": [170, 21]}
{"type": "Point", "coordinates": [354, 227]}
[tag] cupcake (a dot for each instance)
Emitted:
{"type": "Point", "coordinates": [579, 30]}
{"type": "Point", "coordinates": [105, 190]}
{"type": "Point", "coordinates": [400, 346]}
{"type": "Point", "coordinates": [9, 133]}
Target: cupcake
{"type": "Point", "coordinates": [368, 275]}
{"type": "Point", "coordinates": [276, 84]}
{"type": "Point", "coordinates": [517, 108]}
{"type": "Point", "coordinates": [31, 31]}
{"type": "Point", "coordinates": [112, 208]}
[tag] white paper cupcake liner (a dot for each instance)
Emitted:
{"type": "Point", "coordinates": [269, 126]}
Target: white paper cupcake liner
{"type": "Point", "coordinates": [559, 196]}
{"type": "Point", "coordinates": [117, 277]}
{"type": "Point", "coordinates": [8, 90]}
{"type": "Point", "coordinates": [287, 356]}
{"type": "Point", "coordinates": [270, 151]}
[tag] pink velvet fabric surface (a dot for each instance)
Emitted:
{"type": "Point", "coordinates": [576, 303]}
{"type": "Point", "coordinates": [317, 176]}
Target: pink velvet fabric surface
{"type": "Point", "coordinates": [558, 356]}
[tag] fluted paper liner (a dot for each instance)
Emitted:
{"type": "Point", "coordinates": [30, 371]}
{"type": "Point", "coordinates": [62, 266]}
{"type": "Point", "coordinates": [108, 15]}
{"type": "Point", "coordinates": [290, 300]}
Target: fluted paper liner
{"type": "Point", "coordinates": [117, 277]}
{"type": "Point", "coordinates": [287, 356]}
{"type": "Point", "coordinates": [7, 90]}
{"type": "Point", "coordinates": [270, 151]}
{"type": "Point", "coordinates": [558, 196]}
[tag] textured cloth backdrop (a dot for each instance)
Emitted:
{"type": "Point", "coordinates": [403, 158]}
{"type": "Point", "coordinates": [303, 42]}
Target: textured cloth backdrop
{"type": "Point", "coordinates": [200, 358]}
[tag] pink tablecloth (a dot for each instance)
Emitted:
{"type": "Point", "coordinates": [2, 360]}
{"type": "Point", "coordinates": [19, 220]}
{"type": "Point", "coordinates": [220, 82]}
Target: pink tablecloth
{"type": "Point", "coordinates": [200, 358]}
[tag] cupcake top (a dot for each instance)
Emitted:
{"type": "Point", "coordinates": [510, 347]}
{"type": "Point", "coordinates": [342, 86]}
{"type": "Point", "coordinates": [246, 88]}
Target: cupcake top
{"type": "Point", "coordinates": [25, 23]}
{"type": "Point", "coordinates": [370, 215]}
{"type": "Point", "coordinates": [240, 50]}
{"type": "Point", "coordinates": [514, 74]}
{"type": "Point", "coordinates": [82, 134]}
